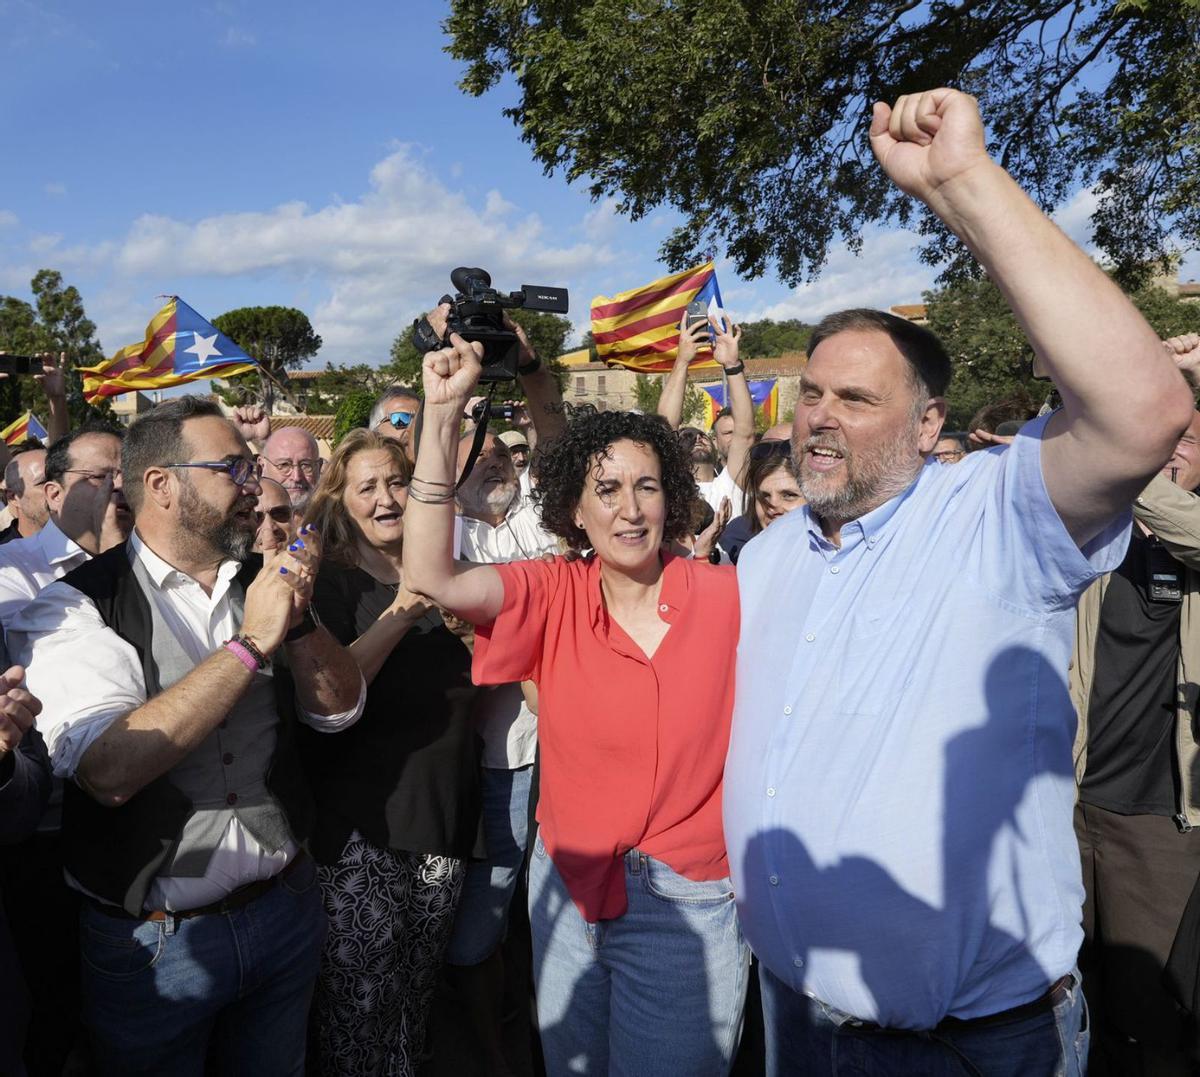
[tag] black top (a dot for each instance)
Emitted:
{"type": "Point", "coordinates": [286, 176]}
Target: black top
{"type": "Point", "coordinates": [406, 774]}
{"type": "Point", "coordinates": [10, 533]}
{"type": "Point", "coordinates": [1131, 764]}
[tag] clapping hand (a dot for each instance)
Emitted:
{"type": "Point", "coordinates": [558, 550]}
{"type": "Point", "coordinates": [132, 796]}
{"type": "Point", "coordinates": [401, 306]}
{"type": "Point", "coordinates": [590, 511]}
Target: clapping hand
{"type": "Point", "coordinates": [278, 596]}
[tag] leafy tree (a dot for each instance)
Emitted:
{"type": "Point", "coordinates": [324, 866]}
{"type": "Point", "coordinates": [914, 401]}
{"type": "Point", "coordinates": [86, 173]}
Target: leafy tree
{"type": "Point", "coordinates": [990, 353]}
{"type": "Point", "coordinates": [751, 118]}
{"type": "Point", "coordinates": [278, 338]}
{"type": "Point", "coordinates": [547, 333]}
{"type": "Point", "coordinates": [338, 382]}
{"type": "Point", "coordinates": [769, 338]}
{"type": "Point", "coordinates": [56, 322]}
{"type": "Point", "coordinates": [647, 391]}
{"type": "Point", "coordinates": [354, 411]}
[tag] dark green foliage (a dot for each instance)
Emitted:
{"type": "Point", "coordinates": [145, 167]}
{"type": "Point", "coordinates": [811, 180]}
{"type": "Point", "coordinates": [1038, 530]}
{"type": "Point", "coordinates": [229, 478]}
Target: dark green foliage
{"type": "Point", "coordinates": [750, 117]}
{"type": "Point", "coordinates": [56, 323]}
{"type": "Point", "coordinates": [354, 411]}
{"type": "Point", "coordinates": [278, 338]}
{"type": "Point", "coordinates": [990, 354]}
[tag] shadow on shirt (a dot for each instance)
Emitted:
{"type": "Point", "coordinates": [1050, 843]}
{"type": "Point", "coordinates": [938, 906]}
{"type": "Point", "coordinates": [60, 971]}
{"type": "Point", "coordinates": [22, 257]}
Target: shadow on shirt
{"type": "Point", "coordinates": [982, 791]}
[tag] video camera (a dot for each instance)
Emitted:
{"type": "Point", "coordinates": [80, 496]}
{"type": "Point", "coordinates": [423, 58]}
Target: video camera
{"type": "Point", "coordinates": [477, 314]}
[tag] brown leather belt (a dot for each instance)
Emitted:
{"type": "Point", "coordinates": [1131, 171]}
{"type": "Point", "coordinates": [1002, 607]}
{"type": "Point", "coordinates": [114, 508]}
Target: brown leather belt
{"type": "Point", "coordinates": [1042, 1004]}
{"type": "Point", "coordinates": [243, 895]}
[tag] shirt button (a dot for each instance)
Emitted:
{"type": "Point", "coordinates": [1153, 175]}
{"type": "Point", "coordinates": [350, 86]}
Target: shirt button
{"type": "Point", "coordinates": [771, 791]}
{"type": "Point", "coordinates": [798, 961]}
{"type": "Point", "coordinates": [231, 799]}
{"type": "Point", "coordinates": [227, 758]}
{"type": "Point", "coordinates": [787, 710]}
{"type": "Point", "coordinates": [810, 637]}
{"type": "Point", "coordinates": [774, 880]}
{"type": "Point", "coordinates": [834, 569]}
{"type": "Point", "coordinates": [663, 608]}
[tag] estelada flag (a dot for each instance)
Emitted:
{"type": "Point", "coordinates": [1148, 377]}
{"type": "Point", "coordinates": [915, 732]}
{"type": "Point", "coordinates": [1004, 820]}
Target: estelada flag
{"type": "Point", "coordinates": [180, 346]}
{"type": "Point", "coordinates": [23, 428]}
{"type": "Point", "coordinates": [639, 329]}
{"type": "Point", "coordinates": [763, 394]}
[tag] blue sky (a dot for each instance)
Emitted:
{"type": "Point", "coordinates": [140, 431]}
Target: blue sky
{"type": "Point", "coordinates": [318, 156]}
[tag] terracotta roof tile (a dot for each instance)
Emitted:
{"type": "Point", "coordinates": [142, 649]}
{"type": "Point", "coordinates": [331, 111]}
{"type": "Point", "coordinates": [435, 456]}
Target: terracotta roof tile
{"type": "Point", "coordinates": [320, 426]}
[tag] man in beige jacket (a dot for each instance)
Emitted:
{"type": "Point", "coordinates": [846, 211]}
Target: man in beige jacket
{"type": "Point", "coordinates": [1135, 683]}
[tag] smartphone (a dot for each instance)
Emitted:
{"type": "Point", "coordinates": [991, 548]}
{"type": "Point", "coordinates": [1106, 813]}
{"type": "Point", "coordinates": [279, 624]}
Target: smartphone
{"type": "Point", "coordinates": [18, 364]}
{"type": "Point", "coordinates": [697, 311]}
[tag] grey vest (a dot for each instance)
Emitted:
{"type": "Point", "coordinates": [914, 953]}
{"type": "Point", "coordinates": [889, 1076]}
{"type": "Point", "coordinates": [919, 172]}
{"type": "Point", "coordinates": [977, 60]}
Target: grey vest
{"type": "Point", "coordinates": [225, 775]}
{"type": "Point", "coordinates": [247, 767]}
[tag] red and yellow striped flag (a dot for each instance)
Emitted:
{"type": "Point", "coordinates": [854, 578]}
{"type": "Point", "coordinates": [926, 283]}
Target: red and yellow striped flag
{"type": "Point", "coordinates": [639, 329]}
{"type": "Point", "coordinates": [22, 428]}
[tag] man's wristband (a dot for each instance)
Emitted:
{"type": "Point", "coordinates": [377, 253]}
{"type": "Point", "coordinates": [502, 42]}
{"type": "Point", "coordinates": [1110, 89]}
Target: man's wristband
{"type": "Point", "coordinates": [247, 653]}
{"type": "Point", "coordinates": [735, 369]}
{"type": "Point", "coordinates": [529, 368]}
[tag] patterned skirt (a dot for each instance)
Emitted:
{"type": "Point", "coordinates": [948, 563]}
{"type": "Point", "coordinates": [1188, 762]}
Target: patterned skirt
{"type": "Point", "coordinates": [390, 916]}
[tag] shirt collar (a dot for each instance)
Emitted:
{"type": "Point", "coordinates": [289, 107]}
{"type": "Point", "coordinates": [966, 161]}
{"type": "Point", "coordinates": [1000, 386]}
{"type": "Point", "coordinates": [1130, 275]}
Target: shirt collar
{"type": "Point", "coordinates": [56, 547]}
{"type": "Point", "coordinates": [163, 573]}
{"type": "Point", "coordinates": [671, 598]}
{"type": "Point", "coordinates": [869, 526]}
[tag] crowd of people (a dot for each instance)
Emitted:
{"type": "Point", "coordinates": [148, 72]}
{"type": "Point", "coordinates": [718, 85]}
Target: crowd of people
{"type": "Point", "coordinates": [878, 738]}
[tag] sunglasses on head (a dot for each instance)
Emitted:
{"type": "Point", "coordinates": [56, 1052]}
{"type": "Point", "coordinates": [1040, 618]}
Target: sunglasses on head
{"type": "Point", "coordinates": [400, 420]}
{"type": "Point", "coordinates": [281, 514]}
{"type": "Point", "coordinates": [766, 450]}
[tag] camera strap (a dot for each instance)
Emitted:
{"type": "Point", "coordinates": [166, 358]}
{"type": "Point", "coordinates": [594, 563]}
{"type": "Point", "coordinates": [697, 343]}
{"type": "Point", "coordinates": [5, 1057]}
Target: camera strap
{"type": "Point", "coordinates": [481, 431]}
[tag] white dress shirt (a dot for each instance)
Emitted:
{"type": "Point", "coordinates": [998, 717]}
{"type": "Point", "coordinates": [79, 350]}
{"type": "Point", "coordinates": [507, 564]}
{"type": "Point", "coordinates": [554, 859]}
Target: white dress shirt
{"type": "Point", "coordinates": [61, 630]}
{"type": "Point", "coordinates": [29, 564]}
{"type": "Point", "coordinates": [507, 725]}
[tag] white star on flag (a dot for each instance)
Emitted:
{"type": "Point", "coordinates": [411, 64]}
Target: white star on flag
{"type": "Point", "coordinates": [203, 348]}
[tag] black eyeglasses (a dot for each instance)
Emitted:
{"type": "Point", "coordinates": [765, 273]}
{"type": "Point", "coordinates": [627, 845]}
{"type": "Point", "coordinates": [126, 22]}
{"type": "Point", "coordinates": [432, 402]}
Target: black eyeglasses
{"type": "Point", "coordinates": [240, 470]}
{"type": "Point", "coordinates": [400, 420]}
{"type": "Point", "coordinates": [767, 450]}
{"type": "Point", "coordinates": [281, 514]}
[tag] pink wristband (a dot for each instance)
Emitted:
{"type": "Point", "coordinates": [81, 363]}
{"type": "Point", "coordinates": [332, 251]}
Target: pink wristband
{"type": "Point", "coordinates": [242, 655]}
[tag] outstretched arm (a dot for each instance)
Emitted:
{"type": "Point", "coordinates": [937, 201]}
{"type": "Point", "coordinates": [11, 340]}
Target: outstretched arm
{"type": "Point", "coordinates": [741, 406]}
{"type": "Point", "coordinates": [670, 402]}
{"type": "Point", "coordinates": [1124, 404]}
{"type": "Point", "coordinates": [472, 593]}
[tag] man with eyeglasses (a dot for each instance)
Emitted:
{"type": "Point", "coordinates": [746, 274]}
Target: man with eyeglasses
{"type": "Point", "coordinates": [394, 414]}
{"type": "Point", "coordinates": [949, 450]}
{"type": "Point", "coordinates": [292, 458]}
{"type": "Point", "coordinates": [174, 668]}
{"type": "Point", "coordinates": [273, 517]}
{"type": "Point", "coordinates": [24, 478]}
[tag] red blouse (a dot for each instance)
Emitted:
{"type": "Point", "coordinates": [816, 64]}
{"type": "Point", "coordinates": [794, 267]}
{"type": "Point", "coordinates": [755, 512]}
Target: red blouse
{"type": "Point", "coordinates": [632, 749]}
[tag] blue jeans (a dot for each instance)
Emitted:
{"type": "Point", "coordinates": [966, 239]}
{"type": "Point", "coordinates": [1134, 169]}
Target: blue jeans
{"type": "Point", "coordinates": [159, 998]}
{"type": "Point", "coordinates": [807, 1037]}
{"type": "Point", "coordinates": [488, 889]}
{"type": "Point", "coordinates": [659, 991]}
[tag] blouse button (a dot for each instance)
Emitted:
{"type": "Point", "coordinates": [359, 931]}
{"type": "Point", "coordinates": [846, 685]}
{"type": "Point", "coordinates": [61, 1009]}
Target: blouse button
{"type": "Point", "coordinates": [231, 799]}
{"type": "Point", "coordinates": [663, 608]}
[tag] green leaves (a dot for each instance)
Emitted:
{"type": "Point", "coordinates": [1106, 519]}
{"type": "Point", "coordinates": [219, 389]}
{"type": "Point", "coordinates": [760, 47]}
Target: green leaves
{"type": "Point", "coordinates": [750, 117]}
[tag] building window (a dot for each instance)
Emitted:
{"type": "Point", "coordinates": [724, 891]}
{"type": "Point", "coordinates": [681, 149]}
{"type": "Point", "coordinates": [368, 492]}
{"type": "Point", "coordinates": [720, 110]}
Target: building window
{"type": "Point", "coordinates": [580, 386]}
{"type": "Point", "coordinates": [600, 384]}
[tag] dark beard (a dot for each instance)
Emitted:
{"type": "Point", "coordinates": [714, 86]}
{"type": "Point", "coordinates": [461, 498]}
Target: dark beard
{"type": "Point", "coordinates": [200, 523]}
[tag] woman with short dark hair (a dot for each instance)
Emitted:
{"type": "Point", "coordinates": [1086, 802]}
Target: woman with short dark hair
{"type": "Point", "coordinates": [639, 962]}
{"type": "Point", "coordinates": [397, 794]}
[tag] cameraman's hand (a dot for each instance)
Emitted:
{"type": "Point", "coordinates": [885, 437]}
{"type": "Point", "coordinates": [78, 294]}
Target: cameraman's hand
{"type": "Point", "coordinates": [527, 354]}
{"type": "Point", "coordinates": [729, 336]}
{"type": "Point", "coordinates": [437, 318]}
{"type": "Point", "coordinates": [691, 339]}
{"type": "Point", "coordinates": [451, 374]}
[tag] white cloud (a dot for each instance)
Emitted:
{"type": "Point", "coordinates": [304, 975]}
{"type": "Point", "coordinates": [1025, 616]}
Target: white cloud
{"type": "Point", "coordinates": [45, 243]}
{"type": "Point", "coordinates": [885, 273]}
{"type": "Point", "coordinates": [8, 219]}
{"type": "Point", "coordinates": [381, 257]}
{"type": "Point", "coordinates": [1075, 218]}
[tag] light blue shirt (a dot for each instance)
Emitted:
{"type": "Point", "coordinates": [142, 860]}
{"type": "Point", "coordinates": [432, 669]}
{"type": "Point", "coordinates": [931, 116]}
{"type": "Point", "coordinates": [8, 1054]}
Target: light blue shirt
{"type": "Point", "coordinates": [899, 788]}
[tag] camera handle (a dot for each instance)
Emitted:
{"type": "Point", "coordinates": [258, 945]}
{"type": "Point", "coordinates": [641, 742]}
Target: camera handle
{"type": "Point", "coordinates": [481, 431]}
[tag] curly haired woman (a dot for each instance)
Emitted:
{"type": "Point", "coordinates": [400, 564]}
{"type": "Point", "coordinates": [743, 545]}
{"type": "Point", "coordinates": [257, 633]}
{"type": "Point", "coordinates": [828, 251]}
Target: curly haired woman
{"type": "Point", "coordinates": [639, 963]}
